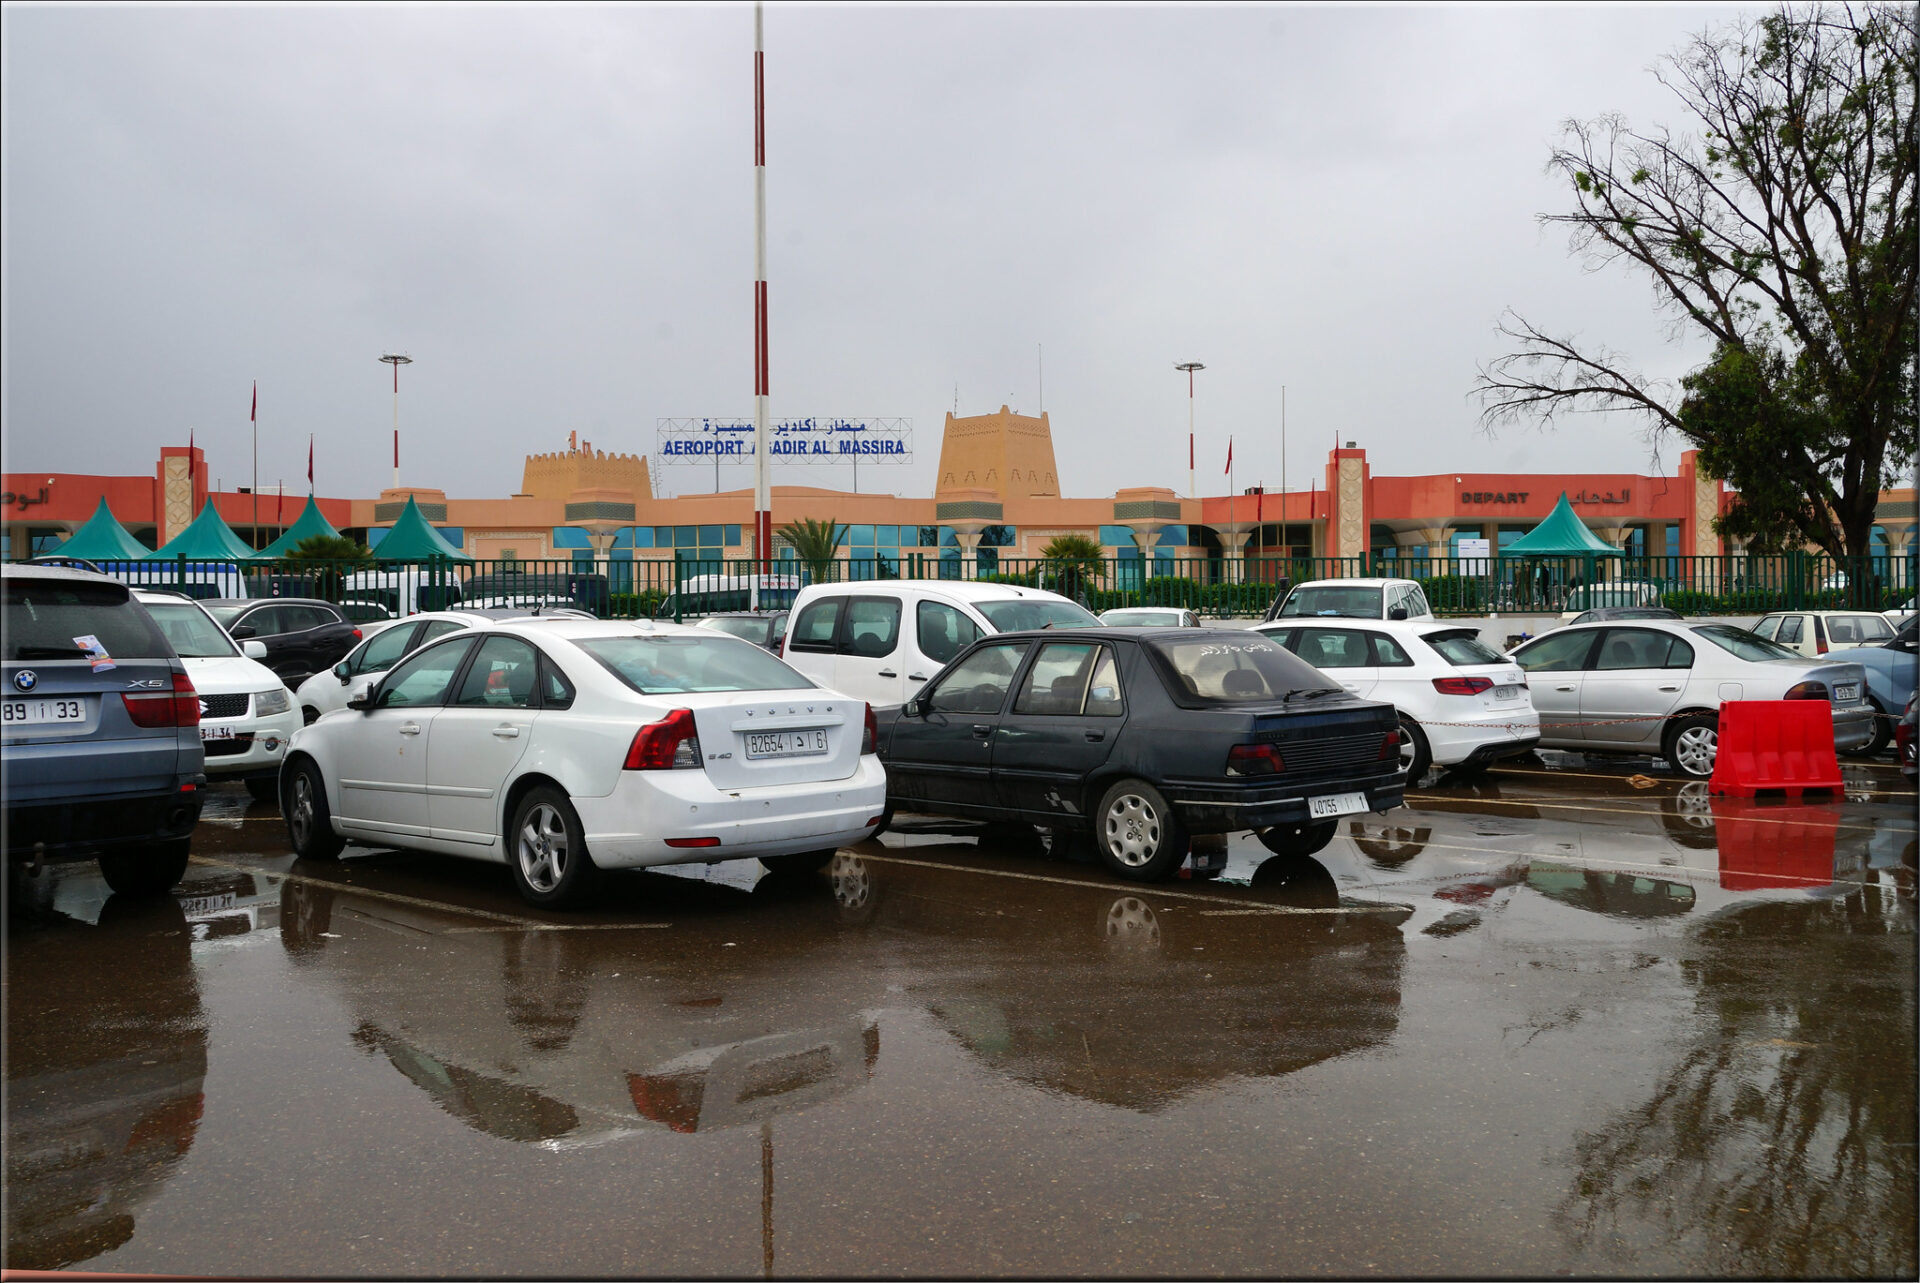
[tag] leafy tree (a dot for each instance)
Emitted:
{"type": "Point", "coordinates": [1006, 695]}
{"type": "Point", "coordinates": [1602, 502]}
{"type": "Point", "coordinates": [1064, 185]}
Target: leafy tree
{"type": "Point", "coordinates": [1785, 231]}
{"type": "Point", "coordinates": [324, 560]}
{"type": "Point", "coordinates": [817, 543]}
{"type": "Point", "coordinates": [1072, 560]}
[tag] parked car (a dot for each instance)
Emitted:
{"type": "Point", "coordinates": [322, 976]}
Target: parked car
{"type": "Point", "coordinates": [762, 628]}
{"type": "Point", "coordinates": [882, 641]}
{"type": "Point", "coordinates": [1142, 738]}
{"type": "Point", "coordinates": [1462, 704]}
{"type": "Point", "coordinates": [398, 591]}
{"type": "Point", "coordinates": [1815, 632]}
{"type": "Point", "coordinates": [1353, 599]}
{"type": "Point", "coordinates": [1607, 614]}
{"type": "Point", "coordinates": [1149, 617]}
{"type": "Point", "coordinates": [1890, 680]}
{"type": "Point", "coordinates": [700, 595]}
{"type": "Point", "coordinates": [567, 747]}
{"type": "Point", "coordinates": [1611, 592]}
{"type": "Point", "coordinates": [303, 635]}
{"type": "Point", "coordinates": [246, 713]}
{"type": "Point", "coordinates": [1655, 687]}
{"type": "Point", "coordinates": [100, 728]}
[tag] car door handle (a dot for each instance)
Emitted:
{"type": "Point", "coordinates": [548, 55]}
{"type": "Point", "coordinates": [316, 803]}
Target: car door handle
{"type": "Point", "coordinates": [409, 728]}
{"type": "Point", "coordinates": [916, 677]}
{"type": "Point", "coordinates": [507, 732]}
{"type": "Point", "coordinates": [1563, 688]}
{"type": "Point", "coordinates": [1094, 737]}
{"type": "Point", "coordinates": [887, 672]}
{"type": "Point", "coordinates": [1669, 688]}
{"type": "Point", "coordinates": [981, 732]}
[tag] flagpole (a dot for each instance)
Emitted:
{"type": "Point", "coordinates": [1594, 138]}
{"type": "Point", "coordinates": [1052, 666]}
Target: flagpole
{"type": "Point", "coordinates": [253, 535]}
{"type": "Point", "coordinates": [1232, 525]}
{"type": "Point", "coordinates": [1190, 367]}
{"type": "Point", "coordinates": [1285, 538]}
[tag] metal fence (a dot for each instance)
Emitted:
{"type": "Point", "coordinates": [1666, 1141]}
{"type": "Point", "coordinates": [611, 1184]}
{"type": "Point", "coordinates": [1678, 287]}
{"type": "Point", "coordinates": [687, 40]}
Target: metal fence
{"type": "Point", "coordinates": [1218, 587]}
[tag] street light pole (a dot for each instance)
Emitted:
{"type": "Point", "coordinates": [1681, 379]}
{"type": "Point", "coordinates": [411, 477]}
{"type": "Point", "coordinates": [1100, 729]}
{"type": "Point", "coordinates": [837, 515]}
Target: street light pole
{"type": "Point", "coordinates": [1190, 367]}
{"type": "Point", "coordinates": [762, 487]}
{"type": "Point", "coordinates": [396, 360]}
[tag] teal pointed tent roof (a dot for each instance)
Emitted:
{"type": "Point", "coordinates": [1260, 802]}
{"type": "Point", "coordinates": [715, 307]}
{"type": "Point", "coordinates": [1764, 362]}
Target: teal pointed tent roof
{"type": "Point", "coordinates": [1562, 534]}
{"type": "Point", "coordinates": [208, 538]}
{"type": "Point", "coordinates": [103, 538]}
{"type": "Point", "coordinates": [311, 524]}
{"type": "Point", "coordinates": [412, 539]}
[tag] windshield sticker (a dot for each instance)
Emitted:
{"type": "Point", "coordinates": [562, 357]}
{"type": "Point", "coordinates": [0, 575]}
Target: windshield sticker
{"type": "Point", "coordinates": [1231, 649]}
{"type": "Point", "coordinates": [96, 653]}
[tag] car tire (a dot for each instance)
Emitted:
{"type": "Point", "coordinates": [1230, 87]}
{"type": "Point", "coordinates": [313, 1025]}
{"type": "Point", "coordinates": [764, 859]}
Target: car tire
{"type": "Point", "coordinates": [1691, 744]}
{"type": "Point", "coordinates": [547, 851]}
{"type": "Point", "coordinates": [309, 714]}
{"type": "Point", "coordinates": [802, 862]}
{"type": "Point", "coordinates": [147, 871]}
{"type": "Point", "coordinates": [309, 819]}
{"type": "Point", "coordinates": [1298, 839]}
{"type": "Point", "coordinates": [264, 788]}
{"type": "Point", "coordinates": [1416, 755]}
{"type": "Point", "coordinates": [1882, 732]}
{"type": "Point", "coordinates": [1137, 834]}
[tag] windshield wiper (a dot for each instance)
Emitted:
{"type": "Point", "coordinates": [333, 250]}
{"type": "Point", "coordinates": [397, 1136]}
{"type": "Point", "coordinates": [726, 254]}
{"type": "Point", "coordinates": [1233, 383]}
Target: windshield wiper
{"type": "Point", "coordinates": [1313, 692]}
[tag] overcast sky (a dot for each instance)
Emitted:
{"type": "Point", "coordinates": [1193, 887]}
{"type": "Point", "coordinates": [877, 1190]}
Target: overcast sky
{"type": "Point", "coordinates": [551, 209]}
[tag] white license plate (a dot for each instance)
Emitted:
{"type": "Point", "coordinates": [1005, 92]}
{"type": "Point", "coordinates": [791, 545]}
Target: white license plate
{"type": "Point", "coordinates": [1324, 808]}
{"type": "Point", "coordinates": [1505, 692]}
{"type": "Point", "coordinates": [1846, 694]}
{"type": "Point", "coordinates": [202, 904]}
{"type": "Point", "coordinates": [215, 732]}
{"type": "Point", "coordinates": [36, 712]}
{"type": "Point", "coordinates": [786, 744]}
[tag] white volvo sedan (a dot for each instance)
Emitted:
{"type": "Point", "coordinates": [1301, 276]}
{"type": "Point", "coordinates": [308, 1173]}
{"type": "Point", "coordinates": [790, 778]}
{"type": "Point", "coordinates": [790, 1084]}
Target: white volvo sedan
{"type": "Point", "coordinates": [561, 748]}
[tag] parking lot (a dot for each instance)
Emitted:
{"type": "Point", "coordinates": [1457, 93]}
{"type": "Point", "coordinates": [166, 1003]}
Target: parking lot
{"type": "Point", "coordinates": [1567, 1017]}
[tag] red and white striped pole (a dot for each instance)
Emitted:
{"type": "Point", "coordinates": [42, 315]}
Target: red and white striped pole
{"type": "Point", "coordinates": [762, 489]}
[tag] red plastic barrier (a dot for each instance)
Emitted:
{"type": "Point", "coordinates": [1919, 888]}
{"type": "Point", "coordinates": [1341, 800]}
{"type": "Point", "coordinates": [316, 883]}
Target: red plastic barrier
{"type": "Point", "coordinates": [1767, 846]}
{"type": "Point", "coordinates": [1775, 744]}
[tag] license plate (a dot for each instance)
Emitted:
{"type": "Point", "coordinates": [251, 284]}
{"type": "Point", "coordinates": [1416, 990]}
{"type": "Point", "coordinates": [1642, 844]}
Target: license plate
{"type": "Point", "coordinates": [1324, 808]}
{"type": "Point", "coordinates": [1846, 694]}
{"type": "Point", "coordinates": [786, 744]}
{"type": "Point", "coordinates": [1505, 692]}
{"type": "Point", "coordinates": [37, 712]}
{"type": "Point", "coordinates": [215, 732]}
{"type": "Point", "coordinates": [203, 904]}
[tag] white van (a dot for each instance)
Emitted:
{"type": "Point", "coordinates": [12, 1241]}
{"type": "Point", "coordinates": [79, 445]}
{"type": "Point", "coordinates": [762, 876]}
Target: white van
{"type": "Point", "coordinates": [882, 640]}
{"type": "Point", "coordinates": [200, 580]}
{"type": "Point", "coordinates": [397, 593]}
{"type": "Point", "coordinates": [712, 594]}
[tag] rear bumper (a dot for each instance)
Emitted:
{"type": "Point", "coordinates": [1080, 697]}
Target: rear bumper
{"type": "Point", "coordinates": [1236, 808]}
{"type": "Point", "coordinates": [256, 749]}
{"type": "Point", "coordinates": [78, 831]}
{"type": "Point", "coordinates": [1852, 727]}
{"type": "Point", "coordinates": [630, 827]}
{"type": "Point", "coordinates": [1467, 739]}
{"type": "Point", "coordinates": [1497, 752]}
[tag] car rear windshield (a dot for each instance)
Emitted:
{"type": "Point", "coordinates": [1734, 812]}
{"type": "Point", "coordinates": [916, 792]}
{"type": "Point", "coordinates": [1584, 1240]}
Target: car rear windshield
{"type": "Point", "coordinates": [43, 619]}
{"type": "Point", "coordinates": [1018, 616]}
{"type": "Point", "coordinates": [193, 635]}
{"type": "Point", "coordinates": [1462, 646]}
{"type": "Point", "coordinates": [1349, 603]}
{"type": "Point", "coordinates": [1139, 618]}
{"type": "Point", "coordinates": [753, 630]}
{"type": "Point", "coordinates": [691, 665]}
{"type": "Point", "coordinates": [225, 615]}
{"type": "Point", "coordinates": [1232, 669]}
{"type": "Point", "coordinates": [1742, 644]}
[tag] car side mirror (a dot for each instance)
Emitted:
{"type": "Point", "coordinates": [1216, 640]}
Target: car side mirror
{"type": "Point", "coordinates": [1396, 612]}
{"type": "Point", "coordinates": [243, 631]}
{"type": "Point", "coordinates": [253, 649]}
{"type": "Point", "coordinates": [363, 701]}
{"type": "Point", "coordinates": [341, 671]}
{"type": "Point", "coordinates": [917, 706]}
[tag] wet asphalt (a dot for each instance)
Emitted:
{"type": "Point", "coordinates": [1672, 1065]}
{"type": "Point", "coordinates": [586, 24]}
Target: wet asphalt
{"type": "Point", "coordinates": [1555, 1020]}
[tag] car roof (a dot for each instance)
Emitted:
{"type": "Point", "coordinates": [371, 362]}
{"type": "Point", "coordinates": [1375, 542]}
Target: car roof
{"type": "Point", "coordinates": [744, 614]}
{"type": "Point", "coordinates": [1857, 610]}
{"type": "Point", "coordinates": [1350, 583]}
{"type": "Point", "coordinates": [24, 570]}
{"type": "Point", "coordinates": [585, 629]}
{"type": "Point", "coordinates": [1414, 627]}
{"type": "Point", "coordinates": [965, 589]}
{"type": "Point", "coordinates": [269, 601]}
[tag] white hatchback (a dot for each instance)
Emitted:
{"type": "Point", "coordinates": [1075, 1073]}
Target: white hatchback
{"type": "Point", "coordinates": [246, 715]}
{"type": "Point", "coordinates": [1462, 705]}
{"type": "Point", "coordinates": [1814, 633]}
{"type": "Point", "coordinates": [561, 748]}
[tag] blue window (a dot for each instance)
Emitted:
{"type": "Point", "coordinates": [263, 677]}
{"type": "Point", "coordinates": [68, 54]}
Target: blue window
{"type": "Point", "coordinates": [570, 537]}
{"type": "Point", "coordinates": [711, 536]}
{"type": "Point", "coordinates": [375, 534]}
{"type": "Point", "coordinates": [1116, 537]}
{"type": "Point", "coordinates": [733, 537]}
{"type": "Point", "coordinates": [634, 537]}
{"type": "Point", "coordinates": [686, 537]}
{"type": "Point", "coordinates": [886, 536]}
{"type": "Point", "coordinates": [860, 536]}
{"type": "Point", "coordinates": [930, 537]}
{"type": "Point", "coordinates": [662, 537]}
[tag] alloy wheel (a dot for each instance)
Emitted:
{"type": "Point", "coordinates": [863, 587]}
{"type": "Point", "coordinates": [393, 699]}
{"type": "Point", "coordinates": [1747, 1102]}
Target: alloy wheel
{"type": "Point", "coordinates": [1133, 829]}
{"type": "Point", "coordinates": [300, 819]}
{"type": "Point", "coordinates": [542, 848]}
{"type": "Point", "coordinates": [1694, 749]}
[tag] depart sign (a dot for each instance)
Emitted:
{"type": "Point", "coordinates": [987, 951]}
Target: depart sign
{"type": "Point", "coordinates": [807, 440]}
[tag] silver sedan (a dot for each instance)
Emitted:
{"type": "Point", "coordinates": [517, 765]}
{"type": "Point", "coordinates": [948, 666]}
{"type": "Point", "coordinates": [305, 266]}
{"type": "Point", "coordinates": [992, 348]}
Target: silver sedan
{"type": "Point", "coordinates": [1655, 687]}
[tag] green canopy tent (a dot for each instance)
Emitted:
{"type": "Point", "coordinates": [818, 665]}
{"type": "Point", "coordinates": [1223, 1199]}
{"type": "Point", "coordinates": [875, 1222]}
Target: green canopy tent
{"type": "Point", "coordinates": [103, 538]}
{"type": "Point", "coordinates": [412, 539]}
{"type": "Point", "coordinates": [207, 538]}
{"type": "Point", "coordinates": [1564, 535]}
{"type": "Point", "coordinates": [311, 524]}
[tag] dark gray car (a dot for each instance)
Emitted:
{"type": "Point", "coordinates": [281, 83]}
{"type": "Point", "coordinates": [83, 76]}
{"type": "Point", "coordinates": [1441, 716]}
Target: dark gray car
{"type": "Point", "coordinates": [101, 731]}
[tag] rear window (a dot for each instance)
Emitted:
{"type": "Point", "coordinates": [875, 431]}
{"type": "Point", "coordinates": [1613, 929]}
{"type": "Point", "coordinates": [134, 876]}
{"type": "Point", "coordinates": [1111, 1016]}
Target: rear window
{"type": "Point", "coordinates": [1019, 615]}
{"type": "Point", "coordinates": [1230, 670]}
{"type": "Point", "coordinates": [1461, 647]}
{"type": "Point", "coordinates": [691, 665]}
{"type": "Point", "coordinates": [1742, 644]}
{"type": "Point", "coordinates": [44, 617]}
{"type": "Point", "coordinates": [753, 630]}
{"type": "Point", "coordinates": [1333, 599]}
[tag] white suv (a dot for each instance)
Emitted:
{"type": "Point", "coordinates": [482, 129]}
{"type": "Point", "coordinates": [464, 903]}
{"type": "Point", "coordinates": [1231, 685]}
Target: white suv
{"type": "Point", "coordinates": [246, 712]}
{"type": "Point", "coordinates": [1354, 599]}
{"type": "Point", "coordinates": [882, 640]}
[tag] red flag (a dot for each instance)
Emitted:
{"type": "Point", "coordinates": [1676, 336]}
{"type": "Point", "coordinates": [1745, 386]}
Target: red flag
{"type": "Point", "coordinates": [309, 463]}
{"type": "Point", "coordinates": [253, 415]}
{"type": "Point", "coordinates": [1229, 467]}
{"type": "Point", "coordinates": [1260, 504]}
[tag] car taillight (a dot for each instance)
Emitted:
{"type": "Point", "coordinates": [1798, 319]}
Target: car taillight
{"type": "Point", "coordinates": [178, 707]}
{"type": "Point", "coordinates": [1389, 746]}
{"type": "Point", "coordinates": [1808, 690]}
{"type": "Point", "coordinates": [1462, 685]}
{"type": "Point", "coordinates": [870, 737]}
{"type": "Point", "coordinates": [670, 744]}
{"type": "Point", "coordinates": [356, 634]}
{"type": "Point", "coordinates": [1255, 759]}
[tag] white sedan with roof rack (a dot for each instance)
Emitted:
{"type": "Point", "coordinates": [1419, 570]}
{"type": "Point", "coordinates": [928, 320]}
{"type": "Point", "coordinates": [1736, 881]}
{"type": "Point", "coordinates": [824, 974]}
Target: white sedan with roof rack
{"type": "Point", "coordinates": [1462, 705]}
{"type": "Point", "coordinates": [562, 748]}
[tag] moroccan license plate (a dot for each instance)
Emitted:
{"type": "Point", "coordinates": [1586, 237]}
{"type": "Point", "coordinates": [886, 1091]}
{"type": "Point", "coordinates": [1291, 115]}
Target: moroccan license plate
{"type": "Point", "coordinates": [1846, 694]}
{"type": "Point", "coordinates": [786, 744]}
{"type": "Point", "coordinates": [215, 732]}
{"type": "Point", "coordinates": [1505, 692]}
{"type": "Point", "coordinates": [37, 712]}
{"type": "Point", "coordinates": [1325, 808]}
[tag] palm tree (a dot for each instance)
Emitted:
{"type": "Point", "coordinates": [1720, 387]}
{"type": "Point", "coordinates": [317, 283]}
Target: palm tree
{"type": "Point", "coordinates": [1071, 560]}
{"type": "Point", "coordinates": [323, 561]}
{"type": "Point", "coordinates": [817, 543]}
